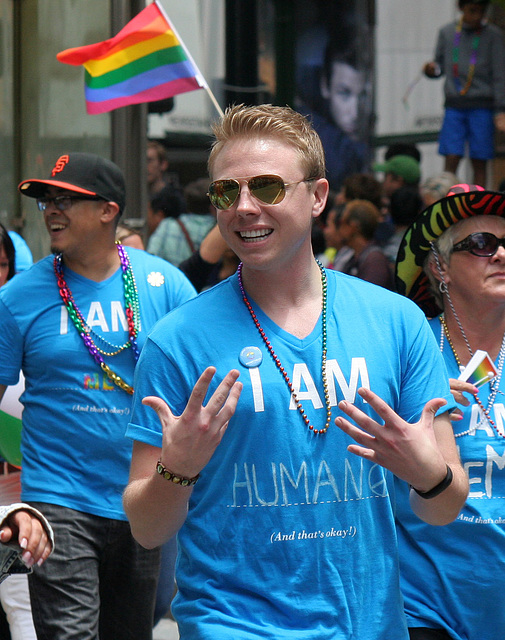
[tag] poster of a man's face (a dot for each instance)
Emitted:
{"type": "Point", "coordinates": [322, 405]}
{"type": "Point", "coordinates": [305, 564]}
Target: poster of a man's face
{"type": "Point", "coordinates": [334, 82]}
{"type": "Point", "coordinates": [344, 89]}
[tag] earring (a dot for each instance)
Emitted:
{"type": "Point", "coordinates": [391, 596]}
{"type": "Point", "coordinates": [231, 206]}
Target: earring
{"type": "Point", "coordinates": [442, 287]}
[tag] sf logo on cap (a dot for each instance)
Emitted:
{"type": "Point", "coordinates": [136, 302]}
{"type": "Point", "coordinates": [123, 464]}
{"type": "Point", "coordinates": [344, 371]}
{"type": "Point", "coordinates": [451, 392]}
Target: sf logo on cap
{"type": "Point", "coordinates": [60, 165]}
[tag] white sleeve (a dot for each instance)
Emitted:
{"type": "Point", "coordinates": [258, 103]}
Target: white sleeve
{"type": "Point", "coordinates": [6, 511]}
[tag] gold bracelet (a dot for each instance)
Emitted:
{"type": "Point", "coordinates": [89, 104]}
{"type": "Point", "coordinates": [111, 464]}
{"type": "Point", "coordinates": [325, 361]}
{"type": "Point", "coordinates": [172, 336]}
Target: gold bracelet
{"type": "Point", "coordinates": [173, 477]}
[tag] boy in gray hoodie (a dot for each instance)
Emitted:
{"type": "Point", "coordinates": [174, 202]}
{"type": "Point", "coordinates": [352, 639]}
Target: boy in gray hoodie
{"type": "Point", "coordinates": [471, 54]}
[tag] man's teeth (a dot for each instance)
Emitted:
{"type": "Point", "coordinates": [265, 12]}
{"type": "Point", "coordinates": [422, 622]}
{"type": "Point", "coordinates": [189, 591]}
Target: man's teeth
{"type": "Point", "coordinates": [255, 234]}
{"type": "Point", "coordinates": [57, 227]}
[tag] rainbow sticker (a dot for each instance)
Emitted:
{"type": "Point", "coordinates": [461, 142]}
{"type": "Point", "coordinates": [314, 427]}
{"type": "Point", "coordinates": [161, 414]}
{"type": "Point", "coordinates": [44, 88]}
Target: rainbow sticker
{"type": "Point", "coordinates": [479, 370]}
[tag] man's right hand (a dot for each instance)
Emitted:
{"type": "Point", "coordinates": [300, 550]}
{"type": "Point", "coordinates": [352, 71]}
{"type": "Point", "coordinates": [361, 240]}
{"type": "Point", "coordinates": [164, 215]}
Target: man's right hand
{"type": "Point", "coordinates": [432, 70]}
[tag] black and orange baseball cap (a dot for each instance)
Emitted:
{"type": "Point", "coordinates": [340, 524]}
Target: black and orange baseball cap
{"type": "Point", "coordinates": [84, 173]}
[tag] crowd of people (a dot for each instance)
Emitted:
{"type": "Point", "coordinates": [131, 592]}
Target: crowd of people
{"type": "Point", "coordinates": [238, 391]}
{"type": "Point", "coordinates": [276, 411]}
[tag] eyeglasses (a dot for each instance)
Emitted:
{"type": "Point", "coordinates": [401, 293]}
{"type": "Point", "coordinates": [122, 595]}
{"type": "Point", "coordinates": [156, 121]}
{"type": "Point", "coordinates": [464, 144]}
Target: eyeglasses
{"type": "Point", "coordinates": [267, 189]}
{"type": "Point", "coordinates": [62, 202]}
{"type": "Point", "coordinates": [481, 244]}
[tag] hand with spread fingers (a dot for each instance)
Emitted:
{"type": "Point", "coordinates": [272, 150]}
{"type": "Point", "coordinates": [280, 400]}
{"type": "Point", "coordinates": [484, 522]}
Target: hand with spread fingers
{"type": "Point", "coordinates": [190, 440]}
{"type": "Point", "coordinates": [423, 454]}
{"type": "Point", "coordinates": [410, 451]}
{"type": "Point", "coordinates": [188, 443]}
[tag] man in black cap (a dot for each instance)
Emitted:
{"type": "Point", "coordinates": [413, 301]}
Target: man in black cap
{"type": "Point", "coordinates": [74, 324]}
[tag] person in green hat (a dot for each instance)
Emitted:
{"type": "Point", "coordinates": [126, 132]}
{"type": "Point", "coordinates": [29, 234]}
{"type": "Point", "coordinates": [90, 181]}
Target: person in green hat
{"type": "Point", "coordinates": [399, 170]}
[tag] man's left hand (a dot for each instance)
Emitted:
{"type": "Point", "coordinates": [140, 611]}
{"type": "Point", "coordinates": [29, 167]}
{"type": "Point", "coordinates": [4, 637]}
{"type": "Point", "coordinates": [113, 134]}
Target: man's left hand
{"type": "Point", "coordinates": [410, 451]}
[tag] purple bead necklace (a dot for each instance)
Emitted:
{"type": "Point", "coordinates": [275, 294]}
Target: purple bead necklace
{"type": "Point", "coordinates": [132, 310]}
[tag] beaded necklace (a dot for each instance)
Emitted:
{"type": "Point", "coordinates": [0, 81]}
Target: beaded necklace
{"type": "Point", "coordinates": [132, 310]}
{"type": "Point", "coordinates": [473, 58]}
{"type": "Point", "coordinates": [494, 384]}
{"type": "Point", "coordinates": [278, 362]}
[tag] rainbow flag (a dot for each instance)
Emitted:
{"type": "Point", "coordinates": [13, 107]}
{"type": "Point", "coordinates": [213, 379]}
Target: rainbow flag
{"type": "Point", "coordinates": [479, 370]}
{"type": "Point", "coordinates": [144, 62]}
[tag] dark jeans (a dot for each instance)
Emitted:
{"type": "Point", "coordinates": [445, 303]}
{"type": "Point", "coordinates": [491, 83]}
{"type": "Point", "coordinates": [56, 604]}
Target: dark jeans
{"type": "Point", "coordinates": [424, 633]}
{"type": "Point", "coordinates": [98, 583]}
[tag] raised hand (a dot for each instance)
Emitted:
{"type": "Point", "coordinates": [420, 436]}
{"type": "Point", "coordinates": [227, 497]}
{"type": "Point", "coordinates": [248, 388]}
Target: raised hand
{"type": "Point", "coordinates": [410, 451]}
{"type": "Point", "coordinates": [189, 440]}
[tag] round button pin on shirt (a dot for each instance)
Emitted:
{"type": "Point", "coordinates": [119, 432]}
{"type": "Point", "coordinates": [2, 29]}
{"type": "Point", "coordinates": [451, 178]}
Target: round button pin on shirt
{"type": "Point", "coordinates": [250, 357]}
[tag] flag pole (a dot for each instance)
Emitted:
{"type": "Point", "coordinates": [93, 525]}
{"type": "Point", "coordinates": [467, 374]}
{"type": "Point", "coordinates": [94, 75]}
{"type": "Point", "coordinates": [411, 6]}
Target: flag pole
{"type": "Point", "coordinates": [213, 99]}
{"type": "Point", "coordinates": [201, 80]}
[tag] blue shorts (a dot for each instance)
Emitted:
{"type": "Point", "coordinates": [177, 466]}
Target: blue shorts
{"type": "Point", "coordinates": [475, 126]}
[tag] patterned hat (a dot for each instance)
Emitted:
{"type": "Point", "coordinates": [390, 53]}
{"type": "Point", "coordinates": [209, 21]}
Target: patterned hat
{"type": "Point", "coordinates": [462, 201]}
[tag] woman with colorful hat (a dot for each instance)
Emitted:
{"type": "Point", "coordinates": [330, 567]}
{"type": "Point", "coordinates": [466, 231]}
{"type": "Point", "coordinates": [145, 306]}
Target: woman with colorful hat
{"type": "Point", "coordinates": [451, 262]}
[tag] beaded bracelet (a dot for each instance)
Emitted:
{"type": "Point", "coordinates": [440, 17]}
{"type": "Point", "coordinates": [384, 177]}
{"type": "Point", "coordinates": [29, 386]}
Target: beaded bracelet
{"type": "Point", "coordinates": [168, 475]}
{"type": "Point", "coordinates": [437, 490]}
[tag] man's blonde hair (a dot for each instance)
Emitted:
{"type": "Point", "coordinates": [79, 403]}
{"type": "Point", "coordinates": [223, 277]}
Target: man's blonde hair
{"type": "Point", "coordinates": [269, 121]}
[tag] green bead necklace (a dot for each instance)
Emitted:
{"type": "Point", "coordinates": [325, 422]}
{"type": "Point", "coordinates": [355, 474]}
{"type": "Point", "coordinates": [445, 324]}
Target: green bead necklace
{"type": "Point", "coordinates": [132, 310]}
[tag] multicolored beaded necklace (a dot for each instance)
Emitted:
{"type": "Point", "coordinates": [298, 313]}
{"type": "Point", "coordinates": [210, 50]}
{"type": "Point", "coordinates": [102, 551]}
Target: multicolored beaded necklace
{"type": "Point", "coordinates": [494, 384]}
{"type": "Point", "coordinates": [132, 311]}
{"type": "Point", "coordinates": [278, 362]}
{"type": "Point", "coordinates": [473, 58]}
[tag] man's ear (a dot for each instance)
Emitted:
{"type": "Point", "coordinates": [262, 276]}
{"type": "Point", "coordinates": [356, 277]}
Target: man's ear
{"type": "Point", "coordinates": [110, 211]}
{"type": "Point", "coordinates": [321, 190]}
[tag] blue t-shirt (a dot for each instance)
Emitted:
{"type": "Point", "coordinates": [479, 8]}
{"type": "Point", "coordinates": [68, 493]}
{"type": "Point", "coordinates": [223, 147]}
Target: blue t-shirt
{"type": "Point", "coordinates": [453, 577]}
{"type": "Point", "coordinates": [74, 418]}
{"type": "Point", "coordinates": [288, 535]}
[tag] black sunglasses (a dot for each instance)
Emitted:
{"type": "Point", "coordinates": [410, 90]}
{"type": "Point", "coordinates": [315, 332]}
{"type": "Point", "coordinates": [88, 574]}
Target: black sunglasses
{"type": "Point", "coordinates": [62, 202]}
{"type": "Point", "coordinates": [481, 244]}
